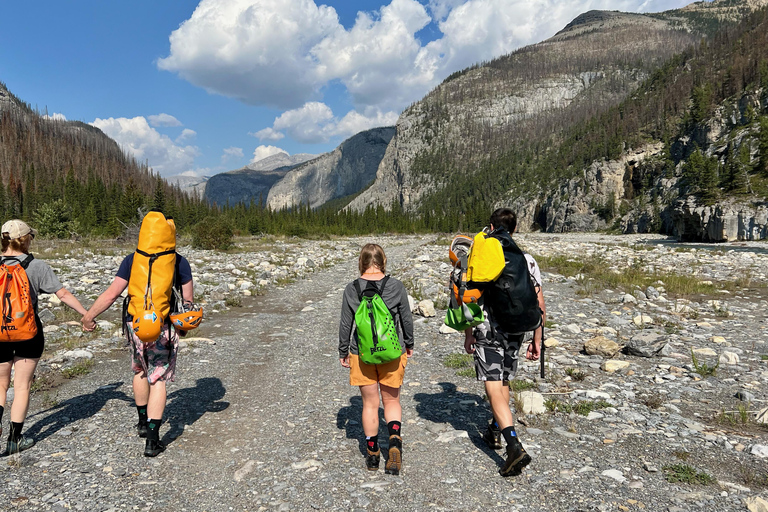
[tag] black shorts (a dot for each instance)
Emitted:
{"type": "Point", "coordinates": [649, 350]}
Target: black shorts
{"type": "Point", "coordinates": [31, 349]}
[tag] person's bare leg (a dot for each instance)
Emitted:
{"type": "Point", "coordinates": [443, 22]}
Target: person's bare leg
{"type": "Point", "coordinates": [24, 373]}
{"type": "Point", "coordinates": [498, 396]}
{"type": "Point", "coordinates": [370, 396]}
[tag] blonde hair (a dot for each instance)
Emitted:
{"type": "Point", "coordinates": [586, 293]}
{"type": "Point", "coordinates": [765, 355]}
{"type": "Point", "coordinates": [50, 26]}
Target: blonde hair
{"type": "Point", "coordinates": [372, 255]}
{"type": "Point", "coordinates": [20, 244]}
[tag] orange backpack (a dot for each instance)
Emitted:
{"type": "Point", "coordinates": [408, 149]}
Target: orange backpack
{"type": "Point", "coordinates": [18, 312]}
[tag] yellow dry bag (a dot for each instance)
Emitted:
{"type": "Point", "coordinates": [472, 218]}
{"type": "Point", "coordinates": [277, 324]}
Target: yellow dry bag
{"type": "Point", "coordinates": [486, 259]}
{"type": "Point", "coordinates": [153, 269]}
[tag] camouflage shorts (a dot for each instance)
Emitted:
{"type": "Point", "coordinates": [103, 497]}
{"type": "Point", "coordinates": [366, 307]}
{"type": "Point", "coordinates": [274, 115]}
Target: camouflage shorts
{"type": "Point", "coordinates": [157, 360]}
{"type": "Point", "coordinates": [496, 358]}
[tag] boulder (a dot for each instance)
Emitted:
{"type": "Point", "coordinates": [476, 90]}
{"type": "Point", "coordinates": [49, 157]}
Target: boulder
{"type": "Point", "coordinates": [426, 308]}
{"type": "Point", "coordinates": [645, 345]}
{"type": "Point", "coordinates": [533, 402]}
{"type": "Point", "coordinates": [46, 316]}
{"type": "Point", "coordinates": [756, 504]}
{"type": "Point", "coordinates": [729, 358]}
{"type": "Point", "coordinates": [601, 346]}
{"type": "Point", "coordinates": [614, 365]}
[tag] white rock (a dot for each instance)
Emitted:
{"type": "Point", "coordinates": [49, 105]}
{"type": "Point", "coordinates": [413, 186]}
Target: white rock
{"type": "Point", "coordinates": [759, 450]}
{"type": "Point", "coordinates": [615, 474]}
{"type": "Point", "coordinates": [77, 354]}
{"type": "Point", "coordinates": [244, 470]}
{"type": "Point", "coordinates": [533, 402]}
{"type": "Point", "coordinates": [704, 352]}
{"type": "Point", "coordinates": [762, 416]}
{"type": "Point", "coordinates": [614, 365]}
{"type": "Point", "coordinates": [756, 504]}
{"type": "Point", "coordinates": [424, 257]}
{"type": "Point", "coordinates": [426, 308]}
{"type": "Point", "coordinates": [308, 308]}
{"type": "Point", "coordinates": [627, 298]}
{"type": "Point", "coordinates": [444, 329]}
{"type": "Point", "coordinates": [729, 358]}
{"type": "Point", "coordinates": [597, 395]}
{"type": "Point", "coordinates": [452, 435]}
{"type": "Point", "coordinates": [50, 328]}
{"type": "Point", "coordinates": [717, 339]}
{"type": "Point", "coordinates": [572, 328]}
{"type": "Point", "coordinates": [306, 464]}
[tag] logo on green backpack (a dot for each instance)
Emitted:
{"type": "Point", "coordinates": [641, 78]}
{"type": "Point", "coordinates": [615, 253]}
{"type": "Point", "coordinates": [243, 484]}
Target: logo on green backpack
{"type": "Point", "coordinates": [377, 339]}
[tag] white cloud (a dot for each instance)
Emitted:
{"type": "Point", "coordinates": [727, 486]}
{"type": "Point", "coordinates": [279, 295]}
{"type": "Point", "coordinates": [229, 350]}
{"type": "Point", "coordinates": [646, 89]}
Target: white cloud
{"type": "Point", "coordinates": [147, 144]}
{"type": "Point", "coordinates": [262, 152]}
{"type": "Point", "coordinates": [164, 120]}
{"type": "Point", "coordinates": [55, 117]}
{"type": "Point", "coordinates": [231, 152]}
{"type": "Point", "coordinates": [186, 136]}
{"type": "Point", "coordinates": [315, 123]}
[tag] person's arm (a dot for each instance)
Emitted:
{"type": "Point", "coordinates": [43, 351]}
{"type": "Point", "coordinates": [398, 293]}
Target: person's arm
{"type": "Point", "coordinates": [102, 303]}
{"type": "Point", "coordinates": [345, 330]}
{"type": "Point", "coordinates": [188, 292]}
{"type": "Point", "coordinates": [406, 321]}
{"type": "Point", "coordinates": [469, 341]}
{"type": "Point", "coordinates": [70, 300]}
{"type": "Point", "coordinates": [534, 349]}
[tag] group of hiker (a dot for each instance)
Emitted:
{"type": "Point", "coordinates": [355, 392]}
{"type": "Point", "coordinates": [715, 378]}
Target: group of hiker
{"type": "Point", "coordinates": [158, 309]}
{"type": "Point", "coordinates": [496, 298]}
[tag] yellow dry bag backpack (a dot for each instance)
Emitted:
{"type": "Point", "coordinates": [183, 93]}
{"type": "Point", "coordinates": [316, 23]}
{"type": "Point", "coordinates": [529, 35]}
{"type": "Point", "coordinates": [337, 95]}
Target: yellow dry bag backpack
{"type": "Point", "coordinates": [152, 276]}
{"type": "Point", "coordinates": [486, 259]}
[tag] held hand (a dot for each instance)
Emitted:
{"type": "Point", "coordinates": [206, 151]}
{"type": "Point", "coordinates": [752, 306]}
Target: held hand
{"type": "Point", "coordinates": [344, 361]}
{"type": "Point", "coordinates": [88, 325]}
{"type": "Point", "coordinates": [534, 350]}
{"type": "Point", "coordinates": [408, 352]}
{"type": "Point", "coordinates": [469, 344]}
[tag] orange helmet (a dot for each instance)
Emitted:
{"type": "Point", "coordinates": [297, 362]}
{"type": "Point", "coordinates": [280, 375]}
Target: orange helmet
{"type": "Point", "coordinates": [460, 246]}
{"type": "Point", "coordinates": [188, 318]}
{"type": "Point", "coordinates": [147, 325]}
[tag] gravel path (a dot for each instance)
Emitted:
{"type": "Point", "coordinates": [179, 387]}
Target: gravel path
{"type": "Point", "coordinates": [263, 418]}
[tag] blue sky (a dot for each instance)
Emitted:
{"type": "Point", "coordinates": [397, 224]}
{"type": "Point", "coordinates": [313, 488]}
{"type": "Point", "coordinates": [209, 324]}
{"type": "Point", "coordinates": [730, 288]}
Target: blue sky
{"type": "Point", "coordinates": [202, 87]}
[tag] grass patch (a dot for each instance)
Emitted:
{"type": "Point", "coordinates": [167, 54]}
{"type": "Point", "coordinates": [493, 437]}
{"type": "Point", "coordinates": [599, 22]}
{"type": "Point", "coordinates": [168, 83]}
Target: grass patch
{"type": "Point", "coordinates": [686, 474]}
{"type": "Point", "coordinates": [464, 363]}
{"type": "Point", "coordinates": [652, 401]}
{"type": "Point", "coordinates": [602, 276]}
{"type": "Point", "coordinates": [583, 407]}
{"type": "Point", "coordinates": [741, 416]}
{"type": "Point", "coordinates": [521, 385]}
{"type": "Point", "coordinates": [549, 324]}
{"type": "Point", "coordinates": [78, 370]}
{"type": "Point", "coordinates": [575, 374]}
{"type": "Point", "coordinates": [764, 357]}
{"type": "Point", "coordinates": [42, 382]}
{"type": "Point", "coordinates": [233, 301]}
{"type": "Point", "coordinates": [703, 368]}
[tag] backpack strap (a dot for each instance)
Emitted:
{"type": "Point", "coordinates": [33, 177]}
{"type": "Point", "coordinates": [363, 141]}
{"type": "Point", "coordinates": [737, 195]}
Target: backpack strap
{"type": "Point", "coordinates": [24, 263]}
{"type": "Point", "coordinates": [358, 290]}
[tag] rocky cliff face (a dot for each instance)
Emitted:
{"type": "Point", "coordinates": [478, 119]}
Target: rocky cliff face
{"type": "Point", "coordinates": [345, 171]}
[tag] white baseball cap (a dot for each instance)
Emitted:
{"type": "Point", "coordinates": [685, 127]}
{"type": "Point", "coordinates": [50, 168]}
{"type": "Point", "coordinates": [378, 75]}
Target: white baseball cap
{"type": "Point", "coordinates": [16, 229]}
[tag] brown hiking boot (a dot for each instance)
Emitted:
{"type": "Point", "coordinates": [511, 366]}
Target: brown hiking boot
{"type": "Point", "coordinates": [395, 459]}
{"type": "Point", "coordinates": [372, 459]}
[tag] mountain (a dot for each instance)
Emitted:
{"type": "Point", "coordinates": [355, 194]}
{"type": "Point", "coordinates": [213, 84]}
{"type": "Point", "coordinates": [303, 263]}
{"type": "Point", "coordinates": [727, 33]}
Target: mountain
{"type": "Point", "coordinates": [342, 172]}
{"type": "Point", "coordinates": [273, 162]}
{"type": "Point", "coordinates": [469, 144]}
{"type": "Point", "coordinates": [71, 174]}
{"type": "Point", "coordinates": [191, 185]}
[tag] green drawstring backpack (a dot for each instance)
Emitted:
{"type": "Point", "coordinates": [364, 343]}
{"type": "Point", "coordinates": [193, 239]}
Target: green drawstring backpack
{"type": "Point", "coordinates": [377, 340]}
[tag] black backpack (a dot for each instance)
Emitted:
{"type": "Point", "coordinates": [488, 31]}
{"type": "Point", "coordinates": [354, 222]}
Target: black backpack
{"type": "Point", "coordinates": [511, 300]}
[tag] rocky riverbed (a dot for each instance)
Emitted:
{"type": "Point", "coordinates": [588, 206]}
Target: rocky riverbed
{"type": "Point", "coordinates": [651, 401]}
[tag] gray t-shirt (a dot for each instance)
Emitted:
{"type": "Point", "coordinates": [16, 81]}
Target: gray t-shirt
{"type": "Point", "coordinates": [40, 275]}
{"type": "Point", "coordinates": [395, 296]}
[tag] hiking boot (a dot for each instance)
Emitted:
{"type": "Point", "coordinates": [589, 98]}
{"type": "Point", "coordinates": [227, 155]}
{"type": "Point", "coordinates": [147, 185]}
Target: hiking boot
{"type": "Point", "coordinates": [492, 438]}
{"type": "Point", "coordinates": [372, 459]}
{"type": "Point", "coordinates": [153, 448]}
{"type": "Point", "coordinates": [19, 445]}
{"type": "Point", "coordinates": [395, 458]}
{"type": "Point", "coordinates": [142, 429]}
{"type": "Point", "coordinates": [517, 459]}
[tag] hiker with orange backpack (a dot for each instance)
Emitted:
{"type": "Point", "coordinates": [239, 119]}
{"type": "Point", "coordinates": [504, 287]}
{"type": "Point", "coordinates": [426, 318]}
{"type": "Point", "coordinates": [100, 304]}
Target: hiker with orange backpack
{"type": "Point", "coordinates": [513, 301]}
{"type": "Point", "coordinates": [157, 309]}
{"type": "Point", "coordinates": [374, 308]}
{"type": "Point", "coordinates": [22, 279]}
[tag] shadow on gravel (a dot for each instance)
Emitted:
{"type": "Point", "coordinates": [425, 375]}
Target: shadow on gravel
{"type": "Point", "coordinates": [186, 406]}
{"type": "Point", "coordinates": [75, 409]}
{"type": "Point", "coordinates": [456, 408]}
{"type": "Point", "coordinates": [350, 418]}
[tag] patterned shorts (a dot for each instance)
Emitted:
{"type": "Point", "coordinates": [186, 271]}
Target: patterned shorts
{"type": "Point", "coordinates": [496, 358]}
{"type": "Point", "coordinates": [157, 360]}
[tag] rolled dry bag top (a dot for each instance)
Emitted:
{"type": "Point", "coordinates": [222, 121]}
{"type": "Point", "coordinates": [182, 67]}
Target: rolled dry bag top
{"type": "Point", "coordinates": [154, 264]}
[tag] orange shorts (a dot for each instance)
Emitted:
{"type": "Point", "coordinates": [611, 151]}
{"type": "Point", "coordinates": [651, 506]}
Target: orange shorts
{"type": "Point", "coordinates": [390, 374]}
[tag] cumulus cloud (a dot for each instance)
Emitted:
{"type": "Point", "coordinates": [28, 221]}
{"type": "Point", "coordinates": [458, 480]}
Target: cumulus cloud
{"type": "Point", "coordinates": [231, 152]}
{"type": "Point", "coordinates": [262, 152]}
{"type": "Point", "coordinates": [315, 123]}
{"type": "Point", "coordinates": [164, 120]}
{"type": "Point", "coordinates": [55, 117]}
{"type": "Point", "coordinates": [145, 143]}
{"type": "Point", "coordinates": [186, 136]}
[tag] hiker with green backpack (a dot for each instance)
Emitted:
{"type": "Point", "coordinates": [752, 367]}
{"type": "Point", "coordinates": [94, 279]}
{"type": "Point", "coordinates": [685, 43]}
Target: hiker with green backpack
{"type": "Point", "coordinates": [513, 303]}
{"type": "Point", "coordinates": [375, 314]}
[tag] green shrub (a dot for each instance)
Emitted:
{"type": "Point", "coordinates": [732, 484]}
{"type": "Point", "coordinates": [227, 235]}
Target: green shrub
{"type": "Point", "coordinates": [686, 474]}
{"type": "Point", "coordinates": [54, 220]}
{"type": "Point", "coordinates": [212, 233]}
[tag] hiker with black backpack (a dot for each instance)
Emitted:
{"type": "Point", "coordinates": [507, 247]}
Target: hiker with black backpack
{"type": "Point", "coordinates": [157, 309]}
{"type": "Point", "coordinates": [375, 312]}
{"type": "Point", "coordinates": [22, 279]}
{"type": "Point", "coordinates": [513, 301]}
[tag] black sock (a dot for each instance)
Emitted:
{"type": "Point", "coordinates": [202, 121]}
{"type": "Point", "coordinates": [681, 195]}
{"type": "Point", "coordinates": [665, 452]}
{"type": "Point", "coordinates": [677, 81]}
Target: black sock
{"type": "Point", "coordinates": [15, 433]}
{"type": "Point", "coordinates": [372, 442]}
{"type": "Point", "coordinates": [510, 436]}
{"type": "Point", "coordinates": [2, 410]}
{"type": "Point", "coordinates": [142, 409]}
{"type": "Point", "coordinates": [394, 428]}
{"type": "Point", "coordinates": [153, 429]}
{"type": "Point", "coordinates": [495, 425]}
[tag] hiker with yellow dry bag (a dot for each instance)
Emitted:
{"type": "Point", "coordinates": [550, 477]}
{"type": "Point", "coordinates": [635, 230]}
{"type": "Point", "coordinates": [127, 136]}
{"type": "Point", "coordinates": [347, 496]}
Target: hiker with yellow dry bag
{"type": "Point", "coordinates": [22, 279]}
{"type": "Point", "coordinates": [157, 309]}
{"type": "Point", "coordinates": [513, 305]}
